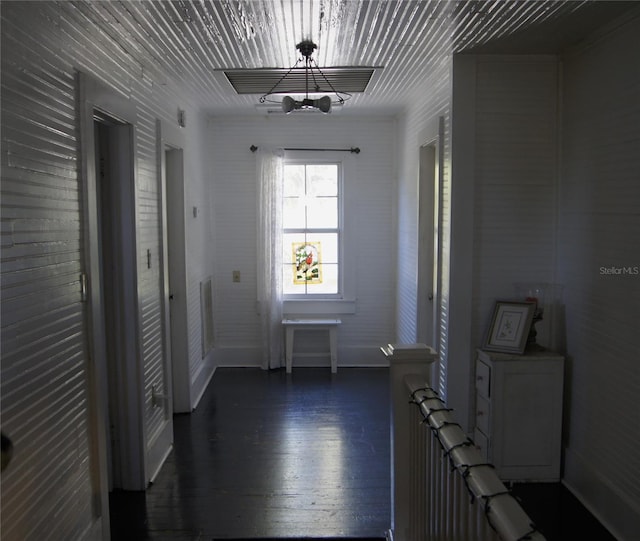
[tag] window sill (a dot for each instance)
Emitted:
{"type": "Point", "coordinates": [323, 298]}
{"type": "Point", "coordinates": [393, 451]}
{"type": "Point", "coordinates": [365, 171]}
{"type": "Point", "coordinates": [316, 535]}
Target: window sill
{"type": "Point", "coordinates": [319, 307]}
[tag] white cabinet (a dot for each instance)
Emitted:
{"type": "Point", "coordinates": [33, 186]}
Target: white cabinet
{"type": "Point", "coordinates": [518, 422]}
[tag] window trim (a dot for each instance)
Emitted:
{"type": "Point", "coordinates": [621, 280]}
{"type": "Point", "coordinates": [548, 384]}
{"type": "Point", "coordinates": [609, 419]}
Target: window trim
{"type": "Point", "coordinates": [344, 301]}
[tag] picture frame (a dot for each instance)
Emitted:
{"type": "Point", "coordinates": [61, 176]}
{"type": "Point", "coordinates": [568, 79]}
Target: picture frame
{"type": "Point", "coordinates": [509, 327]}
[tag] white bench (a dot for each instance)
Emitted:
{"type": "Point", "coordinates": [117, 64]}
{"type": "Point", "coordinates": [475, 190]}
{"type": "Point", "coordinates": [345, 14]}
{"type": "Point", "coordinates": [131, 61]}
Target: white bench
{"type": "Point", "coordinates": [292, 325]}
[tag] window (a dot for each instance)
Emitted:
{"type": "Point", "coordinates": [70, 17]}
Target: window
{"type": "Point", "coordinates": [311, 222]}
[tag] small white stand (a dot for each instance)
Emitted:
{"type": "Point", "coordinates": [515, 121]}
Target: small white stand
{"type": "Point", "coordinates": [292, 325]}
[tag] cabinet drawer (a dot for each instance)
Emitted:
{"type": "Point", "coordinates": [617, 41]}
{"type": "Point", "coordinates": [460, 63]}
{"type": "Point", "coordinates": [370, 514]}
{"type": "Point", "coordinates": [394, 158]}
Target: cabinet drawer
{"type": "Point", "coordinates": [482, 444]}
{"type": "Point", "coordinates": [483, 378]}
{"type": "Point", "coordinates": [483, 411]}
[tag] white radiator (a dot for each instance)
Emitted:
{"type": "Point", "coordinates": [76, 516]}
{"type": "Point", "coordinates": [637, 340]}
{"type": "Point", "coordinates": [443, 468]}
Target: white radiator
{"type": "Point", "coordinates": [455, 494]}
{"type": "Point", "coordinates": [206, 315]}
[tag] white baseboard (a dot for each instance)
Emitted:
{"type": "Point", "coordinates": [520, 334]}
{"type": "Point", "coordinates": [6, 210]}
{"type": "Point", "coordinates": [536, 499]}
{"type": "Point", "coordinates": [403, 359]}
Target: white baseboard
{"type": "Point", "coordinates": [617, 512]}
{"type": "Point", "coordinates": [356, 356]}
{"type": "Point", "coordinates": [97, 532]}
{"type": "Point", "coordinates": [201, 380]}
{"type": "Point", "coordinates": [159, 448]}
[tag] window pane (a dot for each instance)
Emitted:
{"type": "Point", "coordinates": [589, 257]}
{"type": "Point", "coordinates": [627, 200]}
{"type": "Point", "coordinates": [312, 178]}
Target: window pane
{"type": "Point", "coordinates": [329, 245]}
{"type": "Point", "coordinates": [322, 213]}
{"type": "Point", "coordinates": [322, 180]}
{"type": "Point", "coordinates": [294, 181]}
{"type": "Point", "coordinates": [289, 240]}
{"type": "Point", "coordinates": [329, 284]}
{"type": "Point", "coordinates": [288, 285]}
{"type": "Point", "coordinates": [293, 213]}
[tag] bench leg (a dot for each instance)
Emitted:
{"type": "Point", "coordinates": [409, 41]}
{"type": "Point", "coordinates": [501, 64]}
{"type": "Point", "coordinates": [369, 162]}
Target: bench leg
{"type": "Point", "coordinates": [288, 353]}
{"type": "Point", "coordinates": [333, 347]}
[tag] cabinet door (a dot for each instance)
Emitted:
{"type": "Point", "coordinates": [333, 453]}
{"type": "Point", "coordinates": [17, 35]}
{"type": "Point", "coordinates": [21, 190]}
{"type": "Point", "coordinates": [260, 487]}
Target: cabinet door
{"type": "Point", "coordinates": [527, 419]}
{"type": "Point", "coordinates": [527, 413]}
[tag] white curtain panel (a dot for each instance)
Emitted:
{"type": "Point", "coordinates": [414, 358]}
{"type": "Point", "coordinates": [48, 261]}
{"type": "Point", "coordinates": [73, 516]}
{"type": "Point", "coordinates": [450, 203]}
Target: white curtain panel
{"type": "Point", "coordinates": [269, 258]}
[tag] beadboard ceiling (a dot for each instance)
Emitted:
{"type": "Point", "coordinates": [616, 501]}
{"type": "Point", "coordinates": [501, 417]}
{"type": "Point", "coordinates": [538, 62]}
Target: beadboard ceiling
{"type": "Point", "coordinates": [191, 42]}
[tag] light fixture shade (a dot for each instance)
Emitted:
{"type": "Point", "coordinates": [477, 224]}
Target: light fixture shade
{"type": "Point", "coordinates": [288, 104]}
{"type": "Point", "coordinates": [315, 82]}
{"type": "Point", "coordinates": [324, 104]}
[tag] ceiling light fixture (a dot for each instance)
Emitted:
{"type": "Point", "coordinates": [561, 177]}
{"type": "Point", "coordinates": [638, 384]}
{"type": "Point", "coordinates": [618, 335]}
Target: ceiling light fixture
{"type": "Point", "coordinates": [315, 83]}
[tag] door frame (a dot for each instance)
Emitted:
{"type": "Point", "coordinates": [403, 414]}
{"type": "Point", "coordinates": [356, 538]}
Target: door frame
{"type": "Point", "coordinates": [117, 233]}
{"type": "Point", "coordinates": [94, 96]}
{"type": "Point", "coordinates": [429, 258]}
{"type": "Point", "coordinates": [171, 138]}
{"type": "Point", "coordinates": [427, 166]}
{"type": "Point", "coordinates": [429, 266]}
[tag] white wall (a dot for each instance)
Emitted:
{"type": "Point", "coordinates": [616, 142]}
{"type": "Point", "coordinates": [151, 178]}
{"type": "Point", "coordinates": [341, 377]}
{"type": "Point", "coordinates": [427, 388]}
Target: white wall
{"type": "Point", "coordinates": [509, 122]}
{"type": "Point", "coordinates": [500, 199]}
{"type": "Point", "coordinates": [47, 491]}
{"type": "Point", "coordinates": [599, 230]}
{"type": "Point", "coordinates": [503, 193]}
{"type": "Point", "coordinates": [200, 247]}
{"type": "Point", "coordinates": [369, 209]}
{"type": "Point", "coordinates": [533, 221]}
{"type": "Point", "coordinates": [515, 179]}
{"type": "Point", "coordinates": [417, 127]}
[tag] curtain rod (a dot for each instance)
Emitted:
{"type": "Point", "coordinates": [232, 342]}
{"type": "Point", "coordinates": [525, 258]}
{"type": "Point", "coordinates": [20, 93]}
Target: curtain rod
{"type": "Point", "coordinates": [353, 150]}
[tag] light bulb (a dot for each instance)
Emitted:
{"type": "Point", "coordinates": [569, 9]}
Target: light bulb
{"type": "Point", "coordinates": [288, 104]}
{"type": "Point", "coordinates": [324, 104]}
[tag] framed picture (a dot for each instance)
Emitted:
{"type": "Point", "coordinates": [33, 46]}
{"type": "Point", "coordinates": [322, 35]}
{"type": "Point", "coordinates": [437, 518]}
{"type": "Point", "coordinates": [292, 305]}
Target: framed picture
{"type": "Point", "coordinates": [509, 327]}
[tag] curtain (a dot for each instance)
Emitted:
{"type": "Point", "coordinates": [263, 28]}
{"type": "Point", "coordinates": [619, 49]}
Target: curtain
{"type": "Point", "coordinates": [269, 256]}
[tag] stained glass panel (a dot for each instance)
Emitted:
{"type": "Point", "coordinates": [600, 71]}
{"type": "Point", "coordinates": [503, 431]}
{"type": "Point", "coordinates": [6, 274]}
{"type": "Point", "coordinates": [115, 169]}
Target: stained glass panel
{"type": "Point", "coordinates": [307, 259]}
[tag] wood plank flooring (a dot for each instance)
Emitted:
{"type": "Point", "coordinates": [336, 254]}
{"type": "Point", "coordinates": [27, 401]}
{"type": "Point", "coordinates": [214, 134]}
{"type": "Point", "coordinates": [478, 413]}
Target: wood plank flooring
{"type": "Point", "coordinates": [268, 454]}
{"type": "Point", "coordinates": [304, 455]}
{"type": "Point", "coordinates": [558, 514]}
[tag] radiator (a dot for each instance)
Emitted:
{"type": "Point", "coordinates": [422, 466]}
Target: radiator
{"type": "Point", "coordinates": [455, 494]}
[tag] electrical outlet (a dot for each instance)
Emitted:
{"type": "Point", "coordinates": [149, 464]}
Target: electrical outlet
{"type": "Point", "coordinates": [236, 275]}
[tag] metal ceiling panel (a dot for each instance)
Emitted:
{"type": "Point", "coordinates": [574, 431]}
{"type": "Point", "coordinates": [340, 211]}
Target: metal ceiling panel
{"type": "Point", "coordinates": [190, 43]}
{"type": "Point", "coordinates": [295, 81]}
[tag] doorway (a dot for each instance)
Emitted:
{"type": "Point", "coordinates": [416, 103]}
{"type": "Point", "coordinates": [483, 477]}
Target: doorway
{"type": "Point", "coordinates": [428, 276]}
{"type": "Point", "coordinates": [173, 169]}
{"type": "Point", "coordinates": [117, 290]}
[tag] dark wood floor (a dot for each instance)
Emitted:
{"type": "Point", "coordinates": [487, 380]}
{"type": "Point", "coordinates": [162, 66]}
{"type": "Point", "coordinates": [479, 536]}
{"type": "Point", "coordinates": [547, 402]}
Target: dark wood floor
{"type": "Point", "coordinates": [307, 455]}
{"type": "Point", "coordinates": [558, 514]}
{"type": "Point", "coordinates": [268, 454]}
